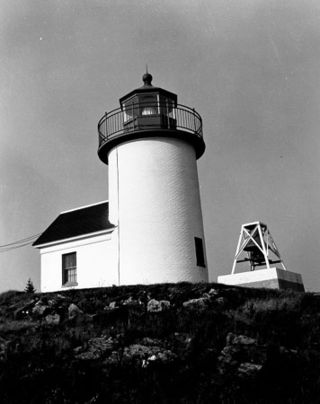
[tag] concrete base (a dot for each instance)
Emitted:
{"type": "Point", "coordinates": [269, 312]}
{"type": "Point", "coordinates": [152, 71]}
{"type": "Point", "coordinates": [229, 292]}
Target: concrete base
{"type": "Point", "coordinates": [273, 278]}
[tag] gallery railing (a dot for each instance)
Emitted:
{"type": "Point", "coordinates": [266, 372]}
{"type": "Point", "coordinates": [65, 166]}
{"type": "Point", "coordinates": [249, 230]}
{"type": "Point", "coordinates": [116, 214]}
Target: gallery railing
{"type": "Point", "coordinates": [138, 117]}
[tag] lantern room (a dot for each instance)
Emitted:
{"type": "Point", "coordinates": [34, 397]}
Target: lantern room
{"type": "Point", "coordinates": [148, 107]}
{"type": "Point", "coordinates": [149, 111]}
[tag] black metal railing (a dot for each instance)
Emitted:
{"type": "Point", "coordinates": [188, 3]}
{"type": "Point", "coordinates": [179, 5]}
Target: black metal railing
{"type": "Point", "coordinates": [138, 117]}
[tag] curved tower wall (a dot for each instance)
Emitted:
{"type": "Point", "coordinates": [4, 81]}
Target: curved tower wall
{"type": "Point", "coordinates": [154, 200]}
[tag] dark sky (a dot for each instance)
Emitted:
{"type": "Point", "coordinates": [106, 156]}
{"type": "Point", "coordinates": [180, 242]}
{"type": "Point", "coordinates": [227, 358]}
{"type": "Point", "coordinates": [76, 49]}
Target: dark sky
{"type": "Point", "coordinates": [249, 67]}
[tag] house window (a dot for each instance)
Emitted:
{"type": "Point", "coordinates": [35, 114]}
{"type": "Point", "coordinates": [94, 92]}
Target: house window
{"type": "Point", "coordinates": [69, 269]}
{"type": "Point", "coordinates": [199, 252]}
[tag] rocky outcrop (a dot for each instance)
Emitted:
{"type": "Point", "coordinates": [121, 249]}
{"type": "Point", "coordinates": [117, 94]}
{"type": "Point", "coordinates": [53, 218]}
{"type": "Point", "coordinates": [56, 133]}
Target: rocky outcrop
{"type": "Point", "coordinates": [74, 311]}
{"type": "Point", "coordinates": [248, 369]}
{"type": "Point", "coordinates": [147, 352]}
{"type": "Point", "coordinates": [155, 306]}
{"type": "Point", "coordinates": [201, 303]}
{"type": "Point", "coordinates": [97, 348]}
{"type": "Point", "coordinates": [177, 343]}
{"type": "Point", "coordinates": [242, 355]}
{"type": "Point", "coordinates": [53, 319]}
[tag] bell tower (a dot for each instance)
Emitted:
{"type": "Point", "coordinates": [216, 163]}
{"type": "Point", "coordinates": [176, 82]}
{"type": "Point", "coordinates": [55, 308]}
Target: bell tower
{"type": "Point", "coordinates": [151, 145]}
{"type": "Point", "coordinates": [257, 248]}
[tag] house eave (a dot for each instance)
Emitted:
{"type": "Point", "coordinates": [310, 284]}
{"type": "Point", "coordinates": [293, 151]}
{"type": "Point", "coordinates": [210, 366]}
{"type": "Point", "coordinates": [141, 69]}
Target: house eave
{"type": "Point", "coordinates": [75, 238]}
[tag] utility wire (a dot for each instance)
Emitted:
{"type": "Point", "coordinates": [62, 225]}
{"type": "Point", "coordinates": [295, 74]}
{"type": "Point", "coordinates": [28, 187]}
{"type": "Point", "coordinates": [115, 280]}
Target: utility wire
{"type": "Point", "coordinates": [20, 241]}
{"type": "Point", "coordinates": [14, 248]}
{"type": "Point", "coordinates": [18, 244]}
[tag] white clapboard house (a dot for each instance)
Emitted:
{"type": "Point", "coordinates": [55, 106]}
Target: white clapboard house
{"type": "Point", "coordinates": [78, 250]}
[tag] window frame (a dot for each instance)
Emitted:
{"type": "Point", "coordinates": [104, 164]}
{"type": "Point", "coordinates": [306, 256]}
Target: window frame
{"type": "Point", "coordinates": [69, 272]}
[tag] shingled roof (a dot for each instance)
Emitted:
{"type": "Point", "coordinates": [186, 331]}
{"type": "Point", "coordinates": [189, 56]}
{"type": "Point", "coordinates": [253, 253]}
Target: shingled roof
{"type": "Point", "coordinates": [77, 222]}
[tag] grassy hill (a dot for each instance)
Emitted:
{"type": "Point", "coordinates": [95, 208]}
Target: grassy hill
{"type": "Point", "coordinates": [172, 343]}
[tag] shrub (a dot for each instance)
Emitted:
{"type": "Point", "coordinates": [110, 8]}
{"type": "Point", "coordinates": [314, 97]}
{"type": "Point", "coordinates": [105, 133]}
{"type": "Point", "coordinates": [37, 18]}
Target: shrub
{"type": "Point", "coordinates": [29, 287]}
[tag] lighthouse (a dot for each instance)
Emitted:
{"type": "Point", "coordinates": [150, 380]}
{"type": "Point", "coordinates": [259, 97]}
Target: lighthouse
{"type": "Point", "coordinates": [151, 145]}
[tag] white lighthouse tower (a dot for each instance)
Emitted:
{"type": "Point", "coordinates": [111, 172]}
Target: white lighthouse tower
{"type": "Point", "coordinates": [151, 145]}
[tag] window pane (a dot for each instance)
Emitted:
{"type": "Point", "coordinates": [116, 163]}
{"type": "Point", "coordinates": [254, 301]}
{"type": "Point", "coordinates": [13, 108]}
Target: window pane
{"type": "Point", "coordinates": [72, 275]}
{"type": "Point", "coordinates": [70, 260]}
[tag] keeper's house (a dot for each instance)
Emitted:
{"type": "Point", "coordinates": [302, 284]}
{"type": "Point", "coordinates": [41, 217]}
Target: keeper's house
{"type": "Point", "coordinates": [78, 250]}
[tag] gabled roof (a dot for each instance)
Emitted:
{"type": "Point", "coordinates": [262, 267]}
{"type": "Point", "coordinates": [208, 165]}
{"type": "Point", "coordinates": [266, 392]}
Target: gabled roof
{"type": "Point", "coordinates": [77, 222]}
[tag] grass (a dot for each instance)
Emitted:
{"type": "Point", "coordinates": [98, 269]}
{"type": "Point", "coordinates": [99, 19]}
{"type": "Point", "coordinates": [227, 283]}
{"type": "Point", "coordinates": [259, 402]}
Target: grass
{"type": "Point", "coordinates": [39, 361]}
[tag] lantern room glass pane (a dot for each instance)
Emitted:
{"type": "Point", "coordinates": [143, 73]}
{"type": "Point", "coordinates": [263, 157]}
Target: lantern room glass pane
{"type": "Point", "coordinates": [170, 107]}
{"type": "Point", "coordinates": [130, 109]}
{"type": "Point", "coordinates": [167, 106]}
{"type": "Point", "coordinates": [148, 104]}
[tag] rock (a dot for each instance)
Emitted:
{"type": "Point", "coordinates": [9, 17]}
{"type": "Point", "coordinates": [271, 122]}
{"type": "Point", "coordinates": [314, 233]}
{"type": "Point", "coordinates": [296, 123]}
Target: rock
{"type": "Point", "coordinates": [248, 369]}
{"type": "Point", "coordinates": [132, 302]}
{"type": "Point", "coordinates": [143, 297]}
{"type": "Point", "coordinates": [201, 302]}
{"type": "Point", "coordinates": [220, 300]}
{"type": "Point", "coordinates": [94, 399]}
{"type": "Point", "coordinates": [127, 301]}
{"type": "Point", "coordinates": [213, 292]}
{"type": "Point", "coordinates": [111, 307]}
{"type": "Point", "coordinates": [57, 300]}
{"type": "Point", "coordinates": [113, 359]}
{"type": "Point", "coordinates": [53, 319]}
{"type": "Point", "coordinates": [240, 339]}
{"type": "Point", "coordinates": [74, 311]}
{"type": "Point", "coordinates": [165, 304]}
{"type": "Point", "coordinates": [40, 309]}
{"type": "Point", "coordinates": [246, 348]}
{"type": "Point", "coordinates": [77, 350]}
{"type": "Point", "coordinates": [182, 339]}
{"type": "Point", "coordinates": [137, 351]}
{"type": "Point", "coordinates": [155, 306]}
{"type": "Point", "coordinates": [144, 355]}
{"type": "Point", "coordinates": [97, 348]}
{"type": "Point", "coordinates": [285, 351]}
{"type": "Point", "coordinates": [150, 341]}
{"type": "Point", "coordinates": [59, 304]}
